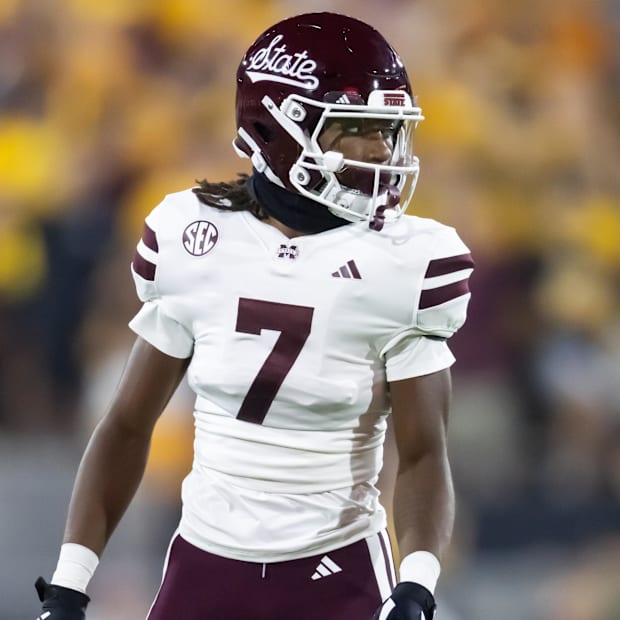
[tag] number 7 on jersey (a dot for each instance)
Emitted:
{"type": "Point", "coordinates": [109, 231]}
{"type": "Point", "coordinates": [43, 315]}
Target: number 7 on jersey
{"type": "Point", "coordinates": [293, 323]}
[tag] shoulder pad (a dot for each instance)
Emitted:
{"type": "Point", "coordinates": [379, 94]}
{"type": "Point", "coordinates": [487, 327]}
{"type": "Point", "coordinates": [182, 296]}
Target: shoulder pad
{"type": "Point", "coordinates": [146, 257]}
{"type": "Point", "coordinates": [442, 307]}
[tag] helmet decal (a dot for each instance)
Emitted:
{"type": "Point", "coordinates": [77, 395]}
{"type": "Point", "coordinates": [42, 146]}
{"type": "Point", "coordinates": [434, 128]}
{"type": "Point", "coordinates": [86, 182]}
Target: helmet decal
{"type": "Point", "coordinates": [272, 63]}
{"type": "Point", "coordinates": [397, 99]}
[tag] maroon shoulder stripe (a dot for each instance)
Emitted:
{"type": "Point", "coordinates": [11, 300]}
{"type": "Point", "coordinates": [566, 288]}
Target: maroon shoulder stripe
{"type": "Point", "coordinates": [442, 294]}
{"type": "Point", "coordinates": [450, 264]}
{"type": "Point", "coordinates": [149, 238]}
{"type": "Point", "coordinates": [144, 268]}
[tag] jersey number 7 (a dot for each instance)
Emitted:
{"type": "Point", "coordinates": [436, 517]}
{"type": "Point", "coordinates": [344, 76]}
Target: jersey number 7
{"type": "Point", "coordinates": [293, 323]}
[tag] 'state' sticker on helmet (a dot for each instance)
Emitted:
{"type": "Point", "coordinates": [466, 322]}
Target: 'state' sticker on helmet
{"type": "Point", "coordinates": [274, 64]}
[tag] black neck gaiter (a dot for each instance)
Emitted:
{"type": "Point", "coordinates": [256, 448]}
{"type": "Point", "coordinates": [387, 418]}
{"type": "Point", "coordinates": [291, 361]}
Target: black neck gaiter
{"type": "Point", "coordinates": [293, 210]}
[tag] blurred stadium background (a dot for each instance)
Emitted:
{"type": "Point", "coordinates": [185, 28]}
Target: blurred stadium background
{"type": "Point", "coordinates": [107, 106]}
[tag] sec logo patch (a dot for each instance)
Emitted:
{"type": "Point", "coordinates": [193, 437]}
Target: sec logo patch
{"type": "Point", "coordinates": [200, 237]}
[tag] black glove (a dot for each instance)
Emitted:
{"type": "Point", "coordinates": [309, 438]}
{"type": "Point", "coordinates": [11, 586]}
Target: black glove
{"type": "Point", "coordinates": [60, 603]}
{"type": "Point", "coordinates": [409, 601]}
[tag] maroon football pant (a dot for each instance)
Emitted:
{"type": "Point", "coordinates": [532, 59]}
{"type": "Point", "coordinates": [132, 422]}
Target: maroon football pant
{"type": "Point", "coordinates": [345, 584]}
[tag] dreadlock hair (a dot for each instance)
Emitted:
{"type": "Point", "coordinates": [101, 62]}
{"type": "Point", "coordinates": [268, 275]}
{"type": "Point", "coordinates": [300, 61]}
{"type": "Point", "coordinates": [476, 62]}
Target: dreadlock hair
{"type": "Point", "coordinates": [229, 196]}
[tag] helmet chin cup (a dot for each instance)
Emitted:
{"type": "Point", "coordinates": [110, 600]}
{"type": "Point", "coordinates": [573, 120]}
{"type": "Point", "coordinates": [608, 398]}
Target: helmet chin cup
{"type": "Point", "coordinates": [353, 206]}
{"type": "Point", "coordinates": [348, 204]}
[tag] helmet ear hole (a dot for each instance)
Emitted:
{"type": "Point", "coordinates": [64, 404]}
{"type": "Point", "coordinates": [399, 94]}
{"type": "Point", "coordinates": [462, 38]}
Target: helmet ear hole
{"type": "Point", "coordinates": [263, 132]}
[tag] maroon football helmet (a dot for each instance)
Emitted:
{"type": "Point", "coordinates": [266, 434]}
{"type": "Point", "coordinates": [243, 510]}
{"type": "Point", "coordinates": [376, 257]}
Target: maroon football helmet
{"type": "Point", "coordinates": [302, 73]}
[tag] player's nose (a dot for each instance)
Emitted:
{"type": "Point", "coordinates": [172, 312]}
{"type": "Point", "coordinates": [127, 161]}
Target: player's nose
{"type": "Point", "coordinates": [377, 148]}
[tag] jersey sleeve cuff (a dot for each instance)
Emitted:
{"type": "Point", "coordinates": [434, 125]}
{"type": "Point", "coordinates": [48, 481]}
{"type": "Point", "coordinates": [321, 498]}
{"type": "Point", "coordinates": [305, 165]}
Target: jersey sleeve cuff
{"type": "Point", "coordinates": [417, 356]}
{"type": "Point", "coordinates": [163, 332]}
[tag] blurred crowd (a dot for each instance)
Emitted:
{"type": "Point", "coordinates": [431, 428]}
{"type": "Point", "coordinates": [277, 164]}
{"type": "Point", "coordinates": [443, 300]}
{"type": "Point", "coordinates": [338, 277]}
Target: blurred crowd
{"type": "Point", "coordinates": [107, 106]}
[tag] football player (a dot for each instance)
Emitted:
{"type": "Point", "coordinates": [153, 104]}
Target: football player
{"type": "Point", "coordinates": [305, 307]}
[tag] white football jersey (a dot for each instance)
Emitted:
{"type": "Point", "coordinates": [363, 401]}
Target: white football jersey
{"type": "Point", "coordinates": [292, 343]}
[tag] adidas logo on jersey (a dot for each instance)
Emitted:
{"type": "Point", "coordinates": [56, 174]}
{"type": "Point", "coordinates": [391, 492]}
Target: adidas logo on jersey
{"type": "Point", "coordinates": [325, 568]}
{"type": "Point", "coordinates": [348, 271]}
